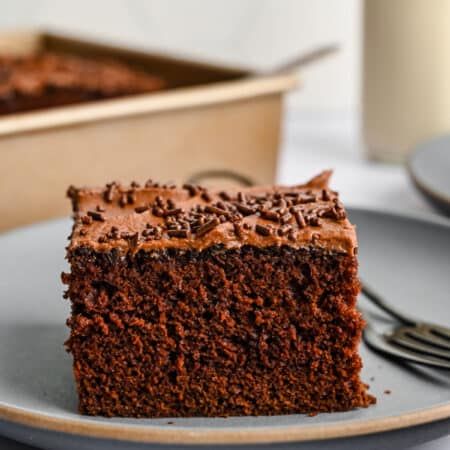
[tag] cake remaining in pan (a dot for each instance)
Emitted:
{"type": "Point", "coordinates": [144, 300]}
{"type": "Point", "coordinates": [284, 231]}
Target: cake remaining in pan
{"type": "Point", "coordinates": [191, 302]}
{"type": "Point", "coordinates": [48, 79]}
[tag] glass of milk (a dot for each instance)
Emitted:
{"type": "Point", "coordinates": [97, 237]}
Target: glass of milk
{"type": "Point", "coordinates": [406, 75]}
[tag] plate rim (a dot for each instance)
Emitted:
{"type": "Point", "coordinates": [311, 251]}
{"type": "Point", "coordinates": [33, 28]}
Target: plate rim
{"type": "Point", "coordinates": [252, 435]}
{"type": "Point", "coordinates": [180, 435]}
{"type": "Point", "coordinates": [437, 196]}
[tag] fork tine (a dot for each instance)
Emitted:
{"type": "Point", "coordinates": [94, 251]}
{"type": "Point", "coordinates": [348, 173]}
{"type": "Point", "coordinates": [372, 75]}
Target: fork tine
{"type": "Point", "coordinates": [441, 331]}
{"type": "Point", "coordinates": [401, 337]}
{"type": "Point", "coordinates": [379, 342]}
{"type": "Point", "coordinates": [423, 333]}
{"type": "Point", "coordinates": [434, 332]}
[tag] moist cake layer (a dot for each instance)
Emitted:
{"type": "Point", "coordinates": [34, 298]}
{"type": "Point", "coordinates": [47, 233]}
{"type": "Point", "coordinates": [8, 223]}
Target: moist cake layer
{"type": "Point", "coordinates": [245, 331]}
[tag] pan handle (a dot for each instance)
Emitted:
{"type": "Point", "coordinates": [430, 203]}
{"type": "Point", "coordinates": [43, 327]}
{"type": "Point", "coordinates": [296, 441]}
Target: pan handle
{"type": "Point", "coordinates": [304, 59]}
{"type": "Point", "coordinates": [200, 177]}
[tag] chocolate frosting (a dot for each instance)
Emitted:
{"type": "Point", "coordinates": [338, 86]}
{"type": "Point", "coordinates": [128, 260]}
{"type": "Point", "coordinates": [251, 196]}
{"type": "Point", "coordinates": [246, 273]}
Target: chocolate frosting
{"type": "Point", "coordinates": [154, 217]}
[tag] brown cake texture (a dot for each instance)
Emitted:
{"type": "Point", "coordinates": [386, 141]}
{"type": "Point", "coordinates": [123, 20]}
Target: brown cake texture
{"type": "Point", "coordinates": [193, 302]}
{"type": "Point", "coordinates": [50, 79]}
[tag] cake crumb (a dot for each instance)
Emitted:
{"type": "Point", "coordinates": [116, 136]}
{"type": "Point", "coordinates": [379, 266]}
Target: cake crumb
{"type": "Point", "coordinates": [387, 391]}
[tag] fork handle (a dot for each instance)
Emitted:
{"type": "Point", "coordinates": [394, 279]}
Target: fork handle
{"type": "Point", "coordinates": [378, 301]}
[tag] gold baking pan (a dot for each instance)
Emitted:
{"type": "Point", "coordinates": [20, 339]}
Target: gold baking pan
{"type": "Point", "coordinates": [210, 119]}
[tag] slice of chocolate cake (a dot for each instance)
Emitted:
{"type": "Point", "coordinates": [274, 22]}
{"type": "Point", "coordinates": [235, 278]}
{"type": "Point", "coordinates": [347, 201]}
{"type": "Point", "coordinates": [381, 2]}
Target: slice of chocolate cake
{"type": "Point", "coordinates": [189, 302]}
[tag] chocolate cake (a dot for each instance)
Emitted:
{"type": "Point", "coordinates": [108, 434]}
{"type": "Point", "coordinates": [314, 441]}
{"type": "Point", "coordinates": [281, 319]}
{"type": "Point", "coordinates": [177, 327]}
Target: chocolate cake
{"type": "Point", "coordinates": [48, 79]}
{"type": "Point", "coordinates": [193, 302]}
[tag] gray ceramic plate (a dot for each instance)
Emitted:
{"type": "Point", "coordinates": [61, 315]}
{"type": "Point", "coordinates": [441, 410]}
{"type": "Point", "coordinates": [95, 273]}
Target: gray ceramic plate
{"type": "Point", "coordinates": [429, 167]}
{"type": "Point", "coordinates": [407, 260]}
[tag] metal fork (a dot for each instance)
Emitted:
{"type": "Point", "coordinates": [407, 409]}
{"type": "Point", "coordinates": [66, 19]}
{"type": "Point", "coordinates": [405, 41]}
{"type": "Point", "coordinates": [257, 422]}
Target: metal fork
{"type": "Point", "coordinates": [412, 340]}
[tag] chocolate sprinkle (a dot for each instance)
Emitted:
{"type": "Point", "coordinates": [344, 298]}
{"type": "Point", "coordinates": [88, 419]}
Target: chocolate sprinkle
{"type": "Point", "coordinates": [243, 209]}
{"type": "Point", "coordinates": [95, 215]}
{"type": "Point", "coordinates": [178, 233]}
{"type": "Point", "coordinates": [207, 227]}
{"type": "Point", "coordinates": [238, 229]}
{"type": "Point", "coordinates": [263, 230]}
{"type": "Point", "coordinates": [172, 212]}
{"type": "Point", "coordinates": [224, 196]}
{"type": "Point", "coordinates": [141, 209]}
{"type": "Point", "coordinates": [131, 197]}
{"type": "Point", "coordinates": [108, 195]}
{"type": "Point", "coordinates": [72, 191]}
{"type": "Point", "coordinates": [191, 189]}
{"type": "Point", "coordinates": [123, 200]}
{"type": "Point", "coordinates": [206, 196]}
{"type": "Point", "coordinates": [242, 198]}
{"type": "Point", "coordinates": [159, 201]}
{"type": "Point", "coordinates": [216, 210]}
{"type": "Point", "coordinates": [158, 212]}
{"type": "Point", "coordinates": [270, 215]}
{"type": "Point", "coordinates": [309, 198]}
{"type": "Point", "coordinates": [299, 219]}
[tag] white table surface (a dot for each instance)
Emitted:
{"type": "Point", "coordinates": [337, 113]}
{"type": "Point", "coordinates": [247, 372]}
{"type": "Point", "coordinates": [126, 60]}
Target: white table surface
{"type": "Point", "coordinates": [316, 141]}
